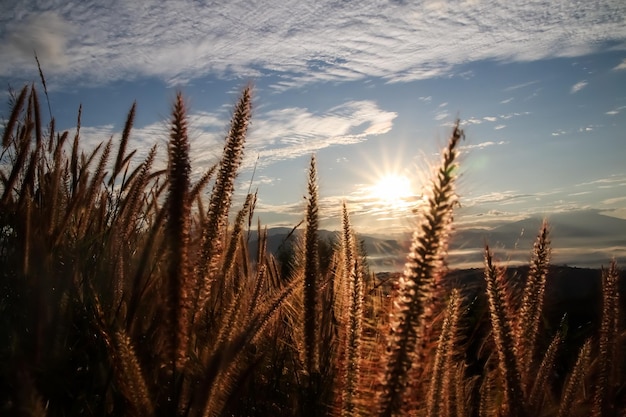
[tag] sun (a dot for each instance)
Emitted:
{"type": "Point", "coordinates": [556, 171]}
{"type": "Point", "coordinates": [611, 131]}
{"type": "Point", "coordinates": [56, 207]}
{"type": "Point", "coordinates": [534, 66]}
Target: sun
{"type": "Point", "coordinates": [392, 189]}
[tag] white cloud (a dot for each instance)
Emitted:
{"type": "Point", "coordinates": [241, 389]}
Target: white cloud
{"type": "Point", "coordinates": [612, 201]}
{"type": "Point", "coordinates": [615, 111]}
{"type": "Point", "coordinates": [621, 66]}
{"type": "Point", "coordinates": [46, 34]}
{"type": "Point", "coordinates": [518, 86]}
{"type": "Point", "coordinates": [578, 86]}
{"type": "Point", "coordinates": [588, 128]}
{"type": "Point", "coordinates": [442, 115]}
{"type": "Point", "coordinates": [496, 197]}
{"type": "Point", "coordinates": [491, 119]}
{"type": "Point", "coordinates": [178, 41]}
{"type": "Point", "coordinates": [265, 180]}
{"type": "Point", "coordinates": [499, 127]}
{"type": "Point", "coordinates": [618, 180]}
{"type": "Point", "coordinates": [483, 145]}
{"type": "Point", "coordinates": [511, 115]}
{"type": "Point", "coordinates": [293, 132]}
{"type": "Point", "coordinates": [275, 135]}
{"type": "Point", "coordinates": [488, 219]}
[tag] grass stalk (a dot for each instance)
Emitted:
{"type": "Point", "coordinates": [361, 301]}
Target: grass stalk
{"type": "Point", "coordinates": [221, 198]}
{"type": "Point", "coordinates": [502, 329]}
{"type": "Point", "coordinates": [441, 379]}
{"type": "Point", "coordinates": [603, 404]}
{"type": "Point", "coordinates": [178, 232]}
{"type": "Point", "coordinates": [574, 381]}
{"type": "Point", "coordinates": [8, 136]}
{"type": "Point", "coordinates": [532, 304]}
{"type": "Point", "coordinates": [353, 276]}
{"type": "Point", "coordinates": [416, 286]}
{"type": "Point", "coordinates": [121, 150]}
{"type": "Point", "coordinates": [311, 270]}
{"type": "Point", "coordinates": [537, 393]}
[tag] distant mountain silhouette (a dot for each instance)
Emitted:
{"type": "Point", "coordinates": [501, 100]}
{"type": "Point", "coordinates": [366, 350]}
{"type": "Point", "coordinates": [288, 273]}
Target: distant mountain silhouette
{"type": "Point", "coordinates": [582, 238]}
{"type": "Point", "coordinates": [579, 238]}
{"type": "Point", "coordinates": [577, 225]}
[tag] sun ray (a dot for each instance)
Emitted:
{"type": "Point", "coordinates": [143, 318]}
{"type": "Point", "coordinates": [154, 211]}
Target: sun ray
{"type": "Point", "coordinates": [392, 189]}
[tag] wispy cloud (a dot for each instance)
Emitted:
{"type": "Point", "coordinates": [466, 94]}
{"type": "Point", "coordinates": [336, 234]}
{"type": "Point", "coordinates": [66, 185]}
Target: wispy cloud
{"type": "Point", "coordinates": [615, 111]}
{"type": "Point", "coordinates": [518, 86]}
{"type": "Point", "coordinates": [275, 135]}
{"type": "Point", "coordinates": [489, 218]}
{"type": "Point", "coordinates": [497, 197]}
{"type": "Point", "coordinates": [588, 128]}
{"type": "Point", "coordinates": [292, 132]}
{"type": "Point", "coordinates": [302, 43]}
{"type": "Point", "coordinates": [45, 33]}
{"type": "Point", "coordinates": [621, 66]}
{"type": "Point", "coordinates": [492, 119]}
{"type": "Point", "coordinates": [442, 115]}
{"type": "Point", "coordinates": [612, 201]}
{"type": "Point", "coordinates": [617, 180]}
{"type": "Point", "coordinates": [483, 145]}
{"type": "Point", "coordinates": [578, 86]}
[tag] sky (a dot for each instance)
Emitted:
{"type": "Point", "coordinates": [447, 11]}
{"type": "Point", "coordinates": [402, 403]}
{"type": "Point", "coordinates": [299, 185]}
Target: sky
{"type": "Point", "coordinates": [371, 88]}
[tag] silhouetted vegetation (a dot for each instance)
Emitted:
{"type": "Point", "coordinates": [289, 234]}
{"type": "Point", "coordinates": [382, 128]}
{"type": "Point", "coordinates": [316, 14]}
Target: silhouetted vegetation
{"type": "Point", "coordinates": [124, 292]}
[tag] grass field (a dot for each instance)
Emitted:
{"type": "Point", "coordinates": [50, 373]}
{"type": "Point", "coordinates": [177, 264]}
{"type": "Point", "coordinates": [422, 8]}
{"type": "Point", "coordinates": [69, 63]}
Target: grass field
{"type": "Point", "coordinates": [126, 290]}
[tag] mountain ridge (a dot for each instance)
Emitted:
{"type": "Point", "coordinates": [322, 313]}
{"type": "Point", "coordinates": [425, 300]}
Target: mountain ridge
{"type": "Point", "coordinates": [584, 238]}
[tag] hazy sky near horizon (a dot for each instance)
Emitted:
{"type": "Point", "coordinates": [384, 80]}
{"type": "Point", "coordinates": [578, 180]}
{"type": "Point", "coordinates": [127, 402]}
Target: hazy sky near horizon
{"type": "Point", "coordinates": [371, 87]}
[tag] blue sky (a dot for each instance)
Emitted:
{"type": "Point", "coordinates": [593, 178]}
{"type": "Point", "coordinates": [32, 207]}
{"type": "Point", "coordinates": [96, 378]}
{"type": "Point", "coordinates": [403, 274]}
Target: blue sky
{"type": "Point", "coordinates": [371, 88]}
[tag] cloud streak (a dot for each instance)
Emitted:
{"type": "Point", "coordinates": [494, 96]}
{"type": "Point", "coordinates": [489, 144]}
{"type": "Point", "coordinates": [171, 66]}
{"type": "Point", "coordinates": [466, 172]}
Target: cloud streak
{"type": "Point", "coordinates": [293, 132]}
{"type": "Point", "coordinates": [621, 66]}
{"type": "Point", "coordinates": [298, 41]}
{"type": "Point", "coordinates": [45, 34]}
{"type": "Point", "coordinates": [483, 145]}
{"type": "Point", "coordinates": [578, 86]}
{"type": "Point", "coordinates": [275, 135]}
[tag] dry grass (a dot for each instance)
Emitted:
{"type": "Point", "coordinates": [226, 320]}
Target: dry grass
{"type": "Point", "coordinates": [123, 295]}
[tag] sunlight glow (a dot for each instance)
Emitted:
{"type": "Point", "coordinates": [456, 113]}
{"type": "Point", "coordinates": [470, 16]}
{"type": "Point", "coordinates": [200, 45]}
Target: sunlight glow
{"type": "Point", "coordinates": [392, 189]}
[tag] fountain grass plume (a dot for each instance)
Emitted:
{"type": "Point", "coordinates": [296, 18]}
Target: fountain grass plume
{"type": "Point", "coordinates": [574, 382]}
{"type": "Point", "coordinates": [8, 135]}
{"type": "Point", "coordinates": [441, 379]}
{"type": "Point", "coordinates": [353, 278]}
{"type": "Point", "coordinates": [604, 392]}
{"type": "Point", "coordinates": [119, 160]}
{"type": "Point", "coordinates": [504, 338]}
{"type": "Point", "coordinates": [178, 301]}
{"type": "Point", "coordinates": [310, 291]}
{"type": "Point", "coordinates": [527, 328]}
{"type": "Point", "coordinates": [212, 239]}
{"type": "Point", "coordinates": [416, 287]}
